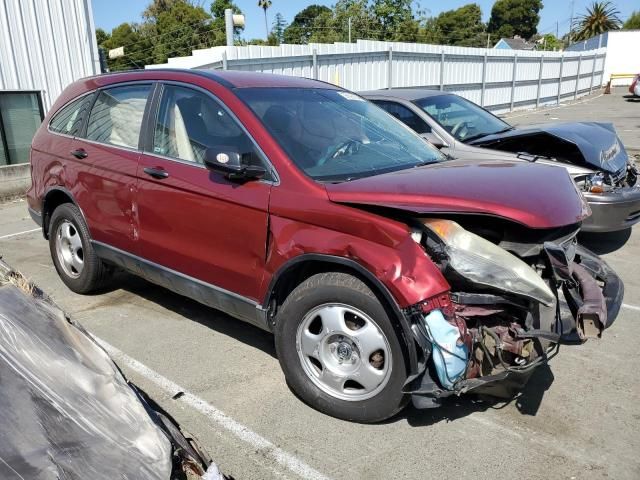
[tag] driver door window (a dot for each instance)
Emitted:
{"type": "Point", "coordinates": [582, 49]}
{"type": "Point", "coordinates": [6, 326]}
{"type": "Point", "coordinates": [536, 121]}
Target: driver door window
{"type": "Point", "coordinates": [189, 122]}
{"type": "Point", "coordinates": [406, 116]}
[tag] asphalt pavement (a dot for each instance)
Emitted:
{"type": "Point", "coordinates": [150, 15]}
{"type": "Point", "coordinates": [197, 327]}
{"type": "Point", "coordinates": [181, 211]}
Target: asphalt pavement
{"type": "Point", "coordinates": [220, 379]}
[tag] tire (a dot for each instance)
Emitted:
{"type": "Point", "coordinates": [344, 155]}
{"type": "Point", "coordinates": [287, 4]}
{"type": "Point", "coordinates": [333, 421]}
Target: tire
{"type": "Point", "coordinates": [72, 253]}
{"type": "Point", "coordinates": [325, 332]}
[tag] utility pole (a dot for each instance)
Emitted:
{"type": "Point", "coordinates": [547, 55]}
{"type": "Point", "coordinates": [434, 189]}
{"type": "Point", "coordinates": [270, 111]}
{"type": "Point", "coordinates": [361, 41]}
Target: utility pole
{"type": "Point", "coordinates": [571, 21]}
{"type": "Point", "coordinates": [557, 31]}
{"type": "Point", "coordinates": [488, 40]}
{"type": "Point", "coordinates": [228, 24]}
{"type": "Point", "coordinates": [349, 29]}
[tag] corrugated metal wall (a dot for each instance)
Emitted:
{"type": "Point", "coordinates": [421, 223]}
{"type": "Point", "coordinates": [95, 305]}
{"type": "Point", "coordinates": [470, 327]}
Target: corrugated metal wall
{"type": "Point", "coordinates": [45, 45]}
{"type": "Point", "coordinates": [501, 80]}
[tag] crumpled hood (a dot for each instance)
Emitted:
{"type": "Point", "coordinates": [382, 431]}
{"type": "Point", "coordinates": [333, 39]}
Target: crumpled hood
{"type": "Point", "coordinates": [538, 196]}
{"type": "Point", "coordinates": [597, 142]}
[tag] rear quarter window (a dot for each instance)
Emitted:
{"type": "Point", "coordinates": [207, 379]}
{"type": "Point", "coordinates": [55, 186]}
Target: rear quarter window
{"type": "Point", "coordinates": [116, 117]}
{"type": "Point", "coordinates": [68, 120]}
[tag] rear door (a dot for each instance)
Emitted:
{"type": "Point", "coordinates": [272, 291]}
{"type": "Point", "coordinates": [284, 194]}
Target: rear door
{"type": "Point", "coordinates": [193, 221]}
{"type": "Point", "coordinates": [107, 155]}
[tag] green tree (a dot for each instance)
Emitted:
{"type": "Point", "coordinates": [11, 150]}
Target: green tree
{"type": "Point", "coordinates": [514, 17]}
{"type": "Point", "coordinates": [101, 36]}
{"type": "Point", "coordinates": [179, 30]}
{"type": "Point", "coordinates": [324, 29]}
{"type": "Point", "coordinates": [600, 17]}
{"type": "Point", "coordinates": [278, 28]}
{"type": "Point", "coordinates": [633, 22]}
{"type": "Point", "coordinates": [462, 27]}
{"type": "Point", "coordinates": [364, 23]}
{"type": "Point", "coordinates": [128, 36]}
{"type": "Point", "coordinates": [549, 42]}
{"type": "Point", "coordinates": [264, 5]}
{"type": "Point", "coordinates": [301, 29]}
{"type": "Point", "coordinates": [396, 20]}
{"type": "Point", "coordinates": [156, 7]}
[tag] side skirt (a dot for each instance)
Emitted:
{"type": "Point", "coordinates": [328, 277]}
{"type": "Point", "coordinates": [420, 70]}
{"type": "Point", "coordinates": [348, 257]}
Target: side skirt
{"type": "Point", "coordinates": [228, 302]}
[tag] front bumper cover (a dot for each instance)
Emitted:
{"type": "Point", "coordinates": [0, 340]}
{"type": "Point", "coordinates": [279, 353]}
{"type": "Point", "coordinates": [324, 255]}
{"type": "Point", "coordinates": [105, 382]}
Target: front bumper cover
{"type": "Point", "coordinates": [613, 211]}
{"type": "Point", "coordinates": [590, 296]}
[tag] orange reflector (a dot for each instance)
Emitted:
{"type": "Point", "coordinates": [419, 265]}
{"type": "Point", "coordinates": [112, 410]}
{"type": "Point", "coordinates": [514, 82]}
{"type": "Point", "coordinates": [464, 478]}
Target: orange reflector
{"type": "Point", "coordinates": [596, 189]}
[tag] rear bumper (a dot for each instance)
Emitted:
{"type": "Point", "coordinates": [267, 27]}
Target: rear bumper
{"type": "Point", "coordinates": [613, 211]}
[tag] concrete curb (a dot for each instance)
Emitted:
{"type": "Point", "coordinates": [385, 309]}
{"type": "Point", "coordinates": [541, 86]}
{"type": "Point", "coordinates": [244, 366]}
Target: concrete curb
{"type": "Point", "coordinates": [14, 180]}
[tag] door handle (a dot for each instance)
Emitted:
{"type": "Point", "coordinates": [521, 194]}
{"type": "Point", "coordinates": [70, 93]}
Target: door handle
{"type": "Point", "coordinates": [80, 153]}
{"type": "Point", "coordinates": [159, 173]}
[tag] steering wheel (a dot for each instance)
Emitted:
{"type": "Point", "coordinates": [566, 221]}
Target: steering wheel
{"type": "Point", "coordinates": [347, 147]}
{"type": "Point", "coordinates": [458, 127]}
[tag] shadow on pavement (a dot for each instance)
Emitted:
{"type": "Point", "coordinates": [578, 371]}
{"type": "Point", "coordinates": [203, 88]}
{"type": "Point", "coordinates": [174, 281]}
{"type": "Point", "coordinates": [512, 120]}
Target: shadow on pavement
{"type": "Point", "coordinates": [527, 402]}
{"type": "Point", "coordinates": [192, 310]}
{"type": "Point", "coordinates": [602, 243]}
{"type": "Point", "coordinates": [631, 98]}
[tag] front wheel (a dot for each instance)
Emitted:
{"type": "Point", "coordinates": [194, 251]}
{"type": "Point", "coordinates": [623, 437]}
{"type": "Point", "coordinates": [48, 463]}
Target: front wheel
{"type": "Point", "coordinates": [339, 351]}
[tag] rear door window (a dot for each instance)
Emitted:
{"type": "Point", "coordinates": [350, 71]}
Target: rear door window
{"type": "Point", "coordinates": [116, 117]}
{"type": "Point", "coordinates": [405, 115]}
{"type": "Point", "coordinates": [68, 121]}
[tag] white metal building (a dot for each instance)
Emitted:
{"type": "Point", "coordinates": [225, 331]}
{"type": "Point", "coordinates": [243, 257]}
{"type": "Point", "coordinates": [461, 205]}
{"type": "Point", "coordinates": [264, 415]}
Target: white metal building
{"type": "Point", "coordinates": [44, 46]}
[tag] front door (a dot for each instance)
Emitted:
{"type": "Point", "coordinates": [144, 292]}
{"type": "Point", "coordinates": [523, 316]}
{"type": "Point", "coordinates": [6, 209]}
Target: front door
{"type": "Point", "coordinates": [192, 221]}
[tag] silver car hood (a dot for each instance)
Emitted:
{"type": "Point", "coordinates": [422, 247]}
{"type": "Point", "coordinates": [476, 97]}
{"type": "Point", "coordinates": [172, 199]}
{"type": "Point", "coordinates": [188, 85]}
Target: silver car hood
{"type": "Point", "coordinates": [597, 143]}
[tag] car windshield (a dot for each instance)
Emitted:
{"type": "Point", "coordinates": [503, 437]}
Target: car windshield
{"type": "Point", "coordinates": [334, 135]}
{"type": "Point", "coordinates": [463, 119]}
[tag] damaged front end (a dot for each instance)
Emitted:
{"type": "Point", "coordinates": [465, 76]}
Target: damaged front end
{"type": "Point", "coordinates": [512, 303]}
{"type": "Point", "coordinates": [614, 198]}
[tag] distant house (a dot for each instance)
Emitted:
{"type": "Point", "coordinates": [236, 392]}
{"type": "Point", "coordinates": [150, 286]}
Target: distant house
{"type": "Point", "coordinates": [515, 43]}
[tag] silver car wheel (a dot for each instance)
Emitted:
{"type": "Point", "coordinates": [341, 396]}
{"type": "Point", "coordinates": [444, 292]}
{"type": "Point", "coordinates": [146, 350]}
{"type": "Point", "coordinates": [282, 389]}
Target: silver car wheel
{"type": "Point", "coordinates": [69, 249]}
{"type": "Point", "coordinates": [344, 352]}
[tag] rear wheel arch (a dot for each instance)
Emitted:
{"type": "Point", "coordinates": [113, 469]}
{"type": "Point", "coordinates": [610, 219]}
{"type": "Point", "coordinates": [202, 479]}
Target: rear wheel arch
{"type": "Point", "coordinates": [300, 268]}
{"type": "Point", "coordinates": [55, 197]}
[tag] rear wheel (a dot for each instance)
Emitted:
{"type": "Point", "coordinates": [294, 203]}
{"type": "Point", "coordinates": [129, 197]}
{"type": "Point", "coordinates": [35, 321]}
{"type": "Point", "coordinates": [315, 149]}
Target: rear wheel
{"type": "Point", "coordinates": [73, 255]}
{"type": "Point", "coordinates": [339, 351]}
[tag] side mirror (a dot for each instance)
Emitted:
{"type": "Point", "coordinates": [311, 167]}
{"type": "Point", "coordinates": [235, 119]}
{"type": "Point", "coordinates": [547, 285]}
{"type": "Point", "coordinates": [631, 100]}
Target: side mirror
{"type": "Point", "coordinates": [232, 165]}
{"type": "Point", "coordinates": [433, 139]}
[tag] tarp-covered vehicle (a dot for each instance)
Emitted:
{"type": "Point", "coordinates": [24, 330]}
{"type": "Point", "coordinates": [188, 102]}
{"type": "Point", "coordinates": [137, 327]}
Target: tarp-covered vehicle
{"type": "Point", "coordinates": [67, 410]}
{"type": "Point", "coordinates": [591, 152]}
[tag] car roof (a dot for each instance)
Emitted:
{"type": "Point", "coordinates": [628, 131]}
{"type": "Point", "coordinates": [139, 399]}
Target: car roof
{"type": "Point", "coordinates": [405, 93]}
{"type": "Point", "coordinates": [228, 78]}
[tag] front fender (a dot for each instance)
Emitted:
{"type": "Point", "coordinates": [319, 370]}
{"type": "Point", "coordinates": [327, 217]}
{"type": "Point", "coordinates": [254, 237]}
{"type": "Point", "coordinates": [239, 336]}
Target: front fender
{"type": "Point", "coordinates": [404, 269]}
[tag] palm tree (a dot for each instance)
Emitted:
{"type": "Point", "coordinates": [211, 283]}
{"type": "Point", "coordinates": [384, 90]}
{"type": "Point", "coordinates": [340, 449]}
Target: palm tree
{"type": "Point", "coordinates": [264, 5]}
{"type": "Point", "coordinates": [600, 17]}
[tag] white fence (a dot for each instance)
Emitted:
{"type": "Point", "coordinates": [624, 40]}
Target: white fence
{"type": "Point", "coordinates": [622, 54]}
{"type": "Point", "coordinates": [501, 80]}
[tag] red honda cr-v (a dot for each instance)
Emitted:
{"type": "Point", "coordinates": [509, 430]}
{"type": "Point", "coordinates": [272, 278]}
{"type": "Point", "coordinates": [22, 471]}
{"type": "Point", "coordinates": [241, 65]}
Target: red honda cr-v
{"type": "Point", "coordinates": [386, 271]}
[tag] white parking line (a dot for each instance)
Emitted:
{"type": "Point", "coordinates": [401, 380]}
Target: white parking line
{"type": "Point", "coordinates": [216, 416]}
{"type": "Point", "coordinates": [20, 233]}
{"type": "Point", "coordinates": [631, 307]}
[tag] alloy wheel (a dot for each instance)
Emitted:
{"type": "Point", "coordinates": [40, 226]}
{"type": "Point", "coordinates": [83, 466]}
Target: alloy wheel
{"type": "Point", "coordinates": [344, 352]}
{"type": "Point", "coordinates": [69, 249]}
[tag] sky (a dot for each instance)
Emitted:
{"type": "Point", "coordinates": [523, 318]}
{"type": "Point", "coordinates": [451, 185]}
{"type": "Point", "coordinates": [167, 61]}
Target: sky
{"type": "Point", "coordinates": [111, 13]}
